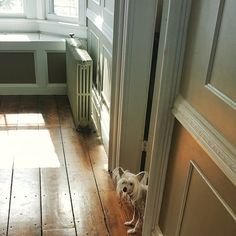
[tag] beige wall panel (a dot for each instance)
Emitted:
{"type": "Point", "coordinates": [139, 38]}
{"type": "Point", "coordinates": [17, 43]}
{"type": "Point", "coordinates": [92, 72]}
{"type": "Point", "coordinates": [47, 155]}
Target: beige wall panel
{"type": "Point", "coordinates": [208, 79]}
{"type": "Point", "coordinates": [17, 68]}
{"type": "Point", "coordinates": [200, 199]}
{"type": "Point", "coordinates": [56, 67]}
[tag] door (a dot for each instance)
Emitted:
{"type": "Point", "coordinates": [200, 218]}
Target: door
{"type": "Point", "coordinates": [199, 192]}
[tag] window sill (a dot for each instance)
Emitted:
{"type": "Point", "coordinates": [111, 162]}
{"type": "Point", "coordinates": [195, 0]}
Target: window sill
{"type": "Point", "coordinates": [10, 25]}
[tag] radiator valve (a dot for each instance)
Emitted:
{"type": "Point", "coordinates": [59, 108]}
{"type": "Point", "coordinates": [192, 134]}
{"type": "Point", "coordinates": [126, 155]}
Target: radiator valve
{"type": "Point", "coordinates": [72, 35]}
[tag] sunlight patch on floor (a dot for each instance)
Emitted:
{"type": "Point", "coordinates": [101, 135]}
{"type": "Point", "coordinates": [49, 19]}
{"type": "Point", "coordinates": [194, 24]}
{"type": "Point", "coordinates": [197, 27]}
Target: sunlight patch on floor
{"type": "Point", "coordinates": [22, 119]}
{"type": "Point", "coordinates": [34, 149]}
{"type": "Point", "coordinates": [27, 148]}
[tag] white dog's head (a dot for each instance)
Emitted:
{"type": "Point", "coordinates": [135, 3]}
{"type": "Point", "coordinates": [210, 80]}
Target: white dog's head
{"type": "Point", "coordinates": [128, 184]}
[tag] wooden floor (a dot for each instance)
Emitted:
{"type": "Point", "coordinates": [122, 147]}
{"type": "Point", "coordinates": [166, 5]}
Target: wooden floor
{"type": "Point", "coordinates": [53, 180]}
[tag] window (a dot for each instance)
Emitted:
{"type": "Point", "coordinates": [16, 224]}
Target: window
{"type": "Point", "coordinates": [11, 7]}
{"type": "Point", "coordinates": [52, 16]}
{"type": "Point", "coordinates": [65, 10]}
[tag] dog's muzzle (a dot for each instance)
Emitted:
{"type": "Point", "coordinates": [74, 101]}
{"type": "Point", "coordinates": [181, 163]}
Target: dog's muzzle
{"type": "Point", "coordinates": [125, 189]}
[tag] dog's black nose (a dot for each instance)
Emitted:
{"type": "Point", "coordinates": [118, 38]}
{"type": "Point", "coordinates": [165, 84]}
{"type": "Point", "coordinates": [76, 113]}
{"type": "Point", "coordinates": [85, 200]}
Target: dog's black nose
{"type": "Point", "coordinates": [125, 189]}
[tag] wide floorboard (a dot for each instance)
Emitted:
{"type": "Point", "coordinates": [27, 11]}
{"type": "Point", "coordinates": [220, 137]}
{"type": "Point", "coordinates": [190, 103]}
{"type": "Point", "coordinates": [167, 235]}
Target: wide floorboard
{"type": "Point", "coordinates": [53, 180]}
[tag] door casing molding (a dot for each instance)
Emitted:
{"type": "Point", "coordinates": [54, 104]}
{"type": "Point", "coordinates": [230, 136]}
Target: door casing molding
{"type": "Point", "coordinates": [132, 54]}
{"type": "Point", "coordinates": [175, 16]}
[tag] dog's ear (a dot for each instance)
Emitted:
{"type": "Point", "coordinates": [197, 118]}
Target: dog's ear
{"type": "Point", "coordinates": [120, 171]}
{"type": "Point", "coordinates": [140, 175]}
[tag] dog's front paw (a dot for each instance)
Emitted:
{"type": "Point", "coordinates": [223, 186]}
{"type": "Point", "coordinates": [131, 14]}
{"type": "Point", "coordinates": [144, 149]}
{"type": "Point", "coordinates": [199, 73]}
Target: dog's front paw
{"type": "Point", "coordinates": [128, 223]}
{"type": "Point", "coordinates": [131, 231]}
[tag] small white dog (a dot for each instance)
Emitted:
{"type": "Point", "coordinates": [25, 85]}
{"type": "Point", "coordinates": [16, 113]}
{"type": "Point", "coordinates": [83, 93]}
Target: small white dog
{"type": "Point", "coordinates": [134, 188]}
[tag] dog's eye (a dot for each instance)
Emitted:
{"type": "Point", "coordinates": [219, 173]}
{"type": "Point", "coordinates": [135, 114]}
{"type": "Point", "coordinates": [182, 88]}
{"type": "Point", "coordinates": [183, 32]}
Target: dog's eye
{"type": "Point", "coordinates": [123, 182]}
{"type": "Point", "coordinates": [131, 184]}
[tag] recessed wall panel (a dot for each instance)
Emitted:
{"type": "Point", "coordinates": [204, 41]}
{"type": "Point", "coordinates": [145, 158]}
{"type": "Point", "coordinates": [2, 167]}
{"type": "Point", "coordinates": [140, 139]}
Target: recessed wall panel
{"type": "Point", "coordinates": [109, 5]}
{"type": "Point", "coordinates": [56, 67]}
{"type": "Point", "coordinates": [94, 53]}
{"type": "Point", "coordinates": [223, 74]}
{"type": "Point", "coordinates": [106, 75]}
{"type": "Point", "coordinates": [17, 68]}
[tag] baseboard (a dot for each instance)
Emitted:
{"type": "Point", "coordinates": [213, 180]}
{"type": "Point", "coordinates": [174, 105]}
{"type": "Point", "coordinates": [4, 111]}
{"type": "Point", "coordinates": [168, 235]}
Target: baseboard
{"type": "Point", "coordinates": [32, 89]}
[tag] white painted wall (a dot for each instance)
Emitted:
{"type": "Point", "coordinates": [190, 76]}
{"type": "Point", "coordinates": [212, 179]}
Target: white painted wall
{"type": "Point", "coordinates": [39, 44]}
{"type": "Point", "coordinates": [100, 38]}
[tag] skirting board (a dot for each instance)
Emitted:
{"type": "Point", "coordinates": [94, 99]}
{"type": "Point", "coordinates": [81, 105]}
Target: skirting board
{"type": "Point", "coordinates": [32, 89]}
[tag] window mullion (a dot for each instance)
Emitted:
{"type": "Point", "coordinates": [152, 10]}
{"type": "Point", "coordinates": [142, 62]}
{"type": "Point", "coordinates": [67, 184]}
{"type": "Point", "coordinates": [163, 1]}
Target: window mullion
{"type": "Point", "coordinates": [30, 9]}
{"type": "Point", "coordinates": [82, 12]}
{"type": "Point", "coordinates": [41, 9]}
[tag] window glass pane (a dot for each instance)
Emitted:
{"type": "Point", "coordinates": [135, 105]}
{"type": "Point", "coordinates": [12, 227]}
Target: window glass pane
{"type": "Point", "coordinates": [66, 8]}
{"type": "Point", "coordinates": [11, 6]}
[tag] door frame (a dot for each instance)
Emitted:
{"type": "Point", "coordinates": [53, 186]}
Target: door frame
{"type": "Point", "coordinates": [127, 67]}
{"type": "Point", "coordinates": [170, 56]}
{"type": "Point", "coordinates": [175, 16]}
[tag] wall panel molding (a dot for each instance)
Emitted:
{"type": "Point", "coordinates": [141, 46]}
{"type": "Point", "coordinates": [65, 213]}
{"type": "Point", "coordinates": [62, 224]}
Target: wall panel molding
{"type": "Point", "coordinates": [94, 51]}
{"type": "Point", "coordinates": [194, 167]}
{"type": "Point", "coordinates": [101, 26]}
{"type": "Point", "coordinates": [216, 146]}
{"type": "Point", "coordinates": [98, 2]}
{"type": "Point", "coordinates": [39, 45]}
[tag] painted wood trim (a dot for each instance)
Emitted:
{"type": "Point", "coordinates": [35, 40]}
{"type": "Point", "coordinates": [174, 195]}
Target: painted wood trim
{"type": "Point", "coordinates": [137, 55]}
{"type": "Point", "coordinates": [215, 41]}
{"type": "Point", "coordinates": [222, 96]}
{"type": "Point", "coordinates": [175, 17]}
{"type": "Point", "coordinates": [41, 67]}
{"type": "Point", "coordinates": [119, 46]}
{"type": "Point", "coordinates": [32, 89]}
{"type": "Point", "coordinates": [82, 12]}
{"type": "Point", "coordinates": [103, 27]}
{"type": "Point", "coordinates": [98, 2]}
{"type": "Point", "coordinates": [184, 199]}
{"type": "Point", "coordinates": [214, 144]}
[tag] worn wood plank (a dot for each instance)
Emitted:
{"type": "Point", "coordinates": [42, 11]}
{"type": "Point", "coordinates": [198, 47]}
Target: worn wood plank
{"type": "Point", "coordinates": [116, 215]}
{"type": "Point", "coordinates": [64, 112]}
{"type": "Point", "coordinates": [56, 203]}
{"type": "Point", "coordinates": [25, 210]}
{"type": "Point", "coordinates": [116, 211]}
{"type": "Point", "coordinates": [59, 232]}
{"type": "Point", "coordinates": [88, 211]}
{"type": "Point", "coordinates": [25, 218]}
{"type": "Point", "coordinates": [6, 161]}
{"type": "Point", "coordinates": [48, 116]}
{"type": "Point", "coordinates": [89, 216]}
{"type": "Point", "coordinates": [28, 112]}
{"type": "Point", "coordinates": [9, 111]}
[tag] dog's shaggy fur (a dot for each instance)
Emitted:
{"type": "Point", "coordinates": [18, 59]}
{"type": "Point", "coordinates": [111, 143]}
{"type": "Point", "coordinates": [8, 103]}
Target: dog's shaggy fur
{"type": "Point", "coordinates": [134, 189]}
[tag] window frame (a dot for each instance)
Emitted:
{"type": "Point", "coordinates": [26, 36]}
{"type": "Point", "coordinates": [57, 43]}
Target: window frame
{"type": "Point", "coordinates": [50, 15]}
